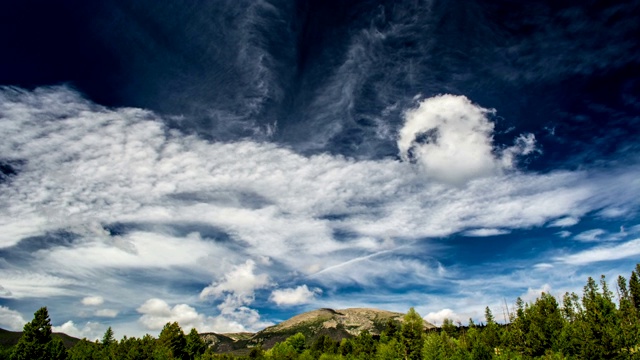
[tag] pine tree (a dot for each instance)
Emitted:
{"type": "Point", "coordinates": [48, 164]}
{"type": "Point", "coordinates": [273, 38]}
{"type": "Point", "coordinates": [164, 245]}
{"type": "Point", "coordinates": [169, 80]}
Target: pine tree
{"type": "Point", "coordinates": [412, 330]}
{"type": "Point", "coordinates": [107, 338]}
{"type": "Point", "coordinates": [634, 288]}
{"type": "Point", "coordinates": [36, 336]}
{"type": "Point", "coordinates": [172, 341]}
{"type": "Point", "coordinates": [195, 345]}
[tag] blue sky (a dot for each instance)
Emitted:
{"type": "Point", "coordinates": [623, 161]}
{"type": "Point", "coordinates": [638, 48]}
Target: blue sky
{"type": "Point", "coordinates": [229, 164]}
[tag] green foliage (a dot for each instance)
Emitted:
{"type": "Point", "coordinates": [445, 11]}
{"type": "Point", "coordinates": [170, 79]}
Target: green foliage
{"type": "Point", "coordinates": [298, 342]}
{"type": "Point", "coordinates": [171, 342]}
{"type": "Point", "coordinates": [195, 346]}
{"type": "Point", "coordinates": [412, 331]}
{"type": "Point", "coordinates": [36, 341]}
{"type": "Point", "coordinates": [282, 351]}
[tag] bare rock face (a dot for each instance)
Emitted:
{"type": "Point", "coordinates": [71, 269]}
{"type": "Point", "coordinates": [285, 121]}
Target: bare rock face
{"type": "Point", "coordinates": [337, 324]}
{"type": "Point", "coordinates": [353, 321]}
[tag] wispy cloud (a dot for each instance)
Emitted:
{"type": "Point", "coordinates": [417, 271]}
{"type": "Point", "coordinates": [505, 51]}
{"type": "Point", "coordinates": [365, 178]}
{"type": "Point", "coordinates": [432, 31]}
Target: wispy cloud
{"type": "Point", "coordinates": [145, 205]}
{"type": "Point", "coordinates": [627, 249]}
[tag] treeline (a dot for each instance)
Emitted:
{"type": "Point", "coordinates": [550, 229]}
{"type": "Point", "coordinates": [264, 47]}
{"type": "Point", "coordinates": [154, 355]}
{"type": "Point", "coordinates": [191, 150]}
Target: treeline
{"type": "Point", "coordinates": [593, 326]}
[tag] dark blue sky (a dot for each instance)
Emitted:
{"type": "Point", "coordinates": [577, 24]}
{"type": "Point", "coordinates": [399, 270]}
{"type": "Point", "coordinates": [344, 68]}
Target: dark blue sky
{"type": "Point", "coordinates": [227, 164]}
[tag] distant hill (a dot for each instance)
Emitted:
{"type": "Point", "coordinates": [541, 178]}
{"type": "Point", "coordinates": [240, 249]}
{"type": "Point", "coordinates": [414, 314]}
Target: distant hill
{"type": "Point", "coordinates": [337, 324]}
{"type": "Point", "coordinates": [10, 338]}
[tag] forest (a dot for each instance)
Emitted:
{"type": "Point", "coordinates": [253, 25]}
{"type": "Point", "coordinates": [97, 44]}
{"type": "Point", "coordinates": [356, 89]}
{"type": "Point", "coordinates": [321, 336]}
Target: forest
{"type": "Point", "coordinates": [600, 324]}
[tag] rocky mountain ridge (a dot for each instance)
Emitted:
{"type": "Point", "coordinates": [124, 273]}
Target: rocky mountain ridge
{"type": "Point", "coordinates": [337, 324]}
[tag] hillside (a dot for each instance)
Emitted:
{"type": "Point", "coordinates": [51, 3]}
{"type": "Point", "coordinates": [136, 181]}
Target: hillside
{"type": "Point", "coordinates": [337, 324]}
{"type": "Point", "coordinates": [10, 338]}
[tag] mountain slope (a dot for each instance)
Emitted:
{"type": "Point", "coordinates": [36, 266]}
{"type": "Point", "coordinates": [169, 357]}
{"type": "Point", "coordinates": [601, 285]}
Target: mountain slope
{"type": "Point", "coordinates": [337, 324]}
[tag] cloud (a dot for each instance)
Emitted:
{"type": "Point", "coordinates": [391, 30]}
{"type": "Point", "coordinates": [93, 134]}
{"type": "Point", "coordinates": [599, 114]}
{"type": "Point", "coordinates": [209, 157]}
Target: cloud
{"type": "Point", "coordinates": [92, 301]}
{"type": "Point", "coordinates": [156, 313]}
{"type": "Point", "coordinates": [543, 266]}
{"type": "Point", "coordinates": [439, 316]}
{"type": "Point", "coordinates": [91, 330]}
{"type": "Point", "coordinates": [534, 293]}
{"type": "Point", "coordinates": [452, 139]}
{"type": "Point", "coordinates": [564, 234]}
{"type": "Point", "coordinates": [11, 319]}
{"type": "Point", "coordinates": [590, 235]}
{"type": "Point", "coordinates": [294, 296]}
{"type": "Point", "coordinates": [603, 253]}
{"type": "Point", "coordinates": [238, 285]}
{"type": "Point", "coordinates": [146, 207]}
{"type": "Point", "coordinates": [485, 232]}
{"type": "Point", "coordinates": [108, 313]}
{"type": "Point", "coordinates": [565, 222]}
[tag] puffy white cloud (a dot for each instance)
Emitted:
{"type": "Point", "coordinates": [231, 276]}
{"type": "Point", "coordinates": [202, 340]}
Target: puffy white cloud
{"type": "Point", "coordinates": [92, 301]}
{"type": "Point", "coordinates": [156, 313]}
{"type": "Point", "coordinates": [437, 318]}
{"type": "Point", "coordinates": [294, 296]}
{"type": "Point", "coordinates": [90, 330]}
{"type": "Point", "coordinates": [239, 284]}
{"type": "Point", "coordinates": [11, 319]}
{"type": "Point", "coordinates": [452, 139]}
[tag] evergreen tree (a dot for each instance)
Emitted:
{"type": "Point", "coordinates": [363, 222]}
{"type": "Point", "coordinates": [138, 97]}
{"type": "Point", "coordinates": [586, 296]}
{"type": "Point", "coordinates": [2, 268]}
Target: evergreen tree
{"type": "Point", "coordinates": [107, 338]}
{"type": "Point", "coordinates": [412, 330]}
{"type": "Point", "coordinates": [195, 346]}
{"type": "Point", "coordinates": [85, 350]}
{"type": "Point", "coordinates": [172, 341]}
{"type": "Point", "coordinates": [634, 288]}
{"type": "Point", "coordinates": [35, 339]}
{"type": "Point", "coordinates": [491, 332]}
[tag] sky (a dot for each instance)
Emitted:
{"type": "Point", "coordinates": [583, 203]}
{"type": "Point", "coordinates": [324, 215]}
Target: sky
{"type": "Point", "coordinates": [228, 164]}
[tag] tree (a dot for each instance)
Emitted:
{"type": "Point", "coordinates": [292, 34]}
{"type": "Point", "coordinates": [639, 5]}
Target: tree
{"type": "Point", "coordinates": [107, 338]}
{"type": "Point", "coordinates": [195, 345]}
{"type": "Point", "coordinates": [172, 340]}
{"type": "Point", "coordinates": [412, 330]}
{"type": "Point", "coordinates": [36, 339]}
{"type": "Point", "coordinates": [298, 342]}
{"type": "Point", "coordinates": [634, 288]}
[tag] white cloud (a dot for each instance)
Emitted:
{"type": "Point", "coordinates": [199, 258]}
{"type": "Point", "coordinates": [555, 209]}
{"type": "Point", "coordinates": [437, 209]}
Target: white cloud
{"type": "Point", "coordinates": [11, 319]}
{"type": "Point", "coordinates": [91, 330]}
{"type": "Point", "coordinates": [437, 318]}
{"type": "Point", "coordinates": [156, 313]}
{"type": "Point", "coordinates": [564, 234]}
{"type": "Point", "coordinates": [485, 232]}
{"type": "Point", "coordinates": [590, 235]}
{"type": "Point", "coordinates": [565, 222]}
{"type": "Point", "coordinates": [533, 293]}
{"type": "Point", "coordinates": [91, 167]}
{"type": "Point", "coordinates": [452, 139]}
{"type": "Point", "coordinates": [294, 296]}
{"type": "Point", "coordinates": [239, 284]}
{"type": "Point", "coordinates": [543, 266]}
{"type": "Point", "coordinates": [603, 253]}
{"type": "Point", "coordinates": [92, 301]}
{"type": "Point", "coordinates": [107, 313]}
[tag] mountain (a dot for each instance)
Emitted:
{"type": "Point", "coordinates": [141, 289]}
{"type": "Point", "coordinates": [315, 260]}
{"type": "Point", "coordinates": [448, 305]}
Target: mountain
{"type": "Point", "coordinates": [10, 338]}
{"type": "Point", "coordinates": [337, 324]}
